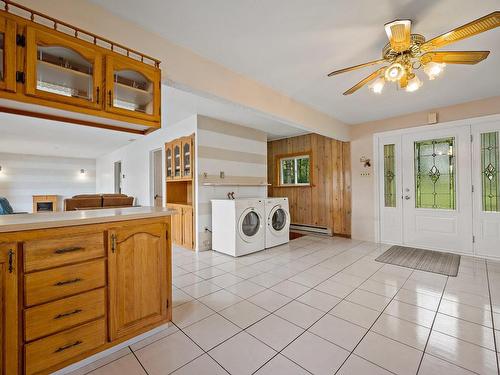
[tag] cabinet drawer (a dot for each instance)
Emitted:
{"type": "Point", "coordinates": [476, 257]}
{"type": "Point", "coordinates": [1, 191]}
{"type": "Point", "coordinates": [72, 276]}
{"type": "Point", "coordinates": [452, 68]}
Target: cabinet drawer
{"type": "Point", "coordinates": [57, 316]}
{"type": "Point", "coordinates": [49, 285]}
{"type": "Point", "coordinates": [54, 252]}
{"type": "Point", "coordinates": [50, 351]}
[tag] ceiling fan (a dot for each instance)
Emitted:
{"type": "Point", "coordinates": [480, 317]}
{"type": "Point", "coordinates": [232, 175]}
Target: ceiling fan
{"type": "Point", "coordinates": [406, 53]}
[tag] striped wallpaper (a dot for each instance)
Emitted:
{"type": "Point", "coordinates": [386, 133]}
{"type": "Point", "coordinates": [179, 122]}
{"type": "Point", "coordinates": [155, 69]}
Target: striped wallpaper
{"type": "Point", "coordinates": [23, 176]}
{"type": "Point", "coordinates": [239, 152]}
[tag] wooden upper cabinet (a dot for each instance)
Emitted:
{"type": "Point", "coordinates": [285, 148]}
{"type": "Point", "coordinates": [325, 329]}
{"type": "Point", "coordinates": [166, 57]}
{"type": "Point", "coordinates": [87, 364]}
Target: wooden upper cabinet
{"type": "Point", "coordinates": [137, 276]}
{"type": "Point", "coordinates": [132, 88]}
{"type": "Point", "coordinates": [9, 350]}
{"type": "Point", "coordinates": [177, 155]}
{"type": "Point", "coordinates": [62, 69]}
{"type": "Point", "coordinates": [187, 157]}
{"type": "Point", "coordinates": [7, 54]}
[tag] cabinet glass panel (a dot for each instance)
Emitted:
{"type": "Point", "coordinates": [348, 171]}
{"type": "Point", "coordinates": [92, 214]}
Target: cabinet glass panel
{"type": "Point", "coordinates": [186, 159]}
{"type": "Point", "coordinates": [389, 176]}
{"type": "Point", "coordinates": [435, 174]}
{"type": "Point", "coordinates": [133, 92]}
{"type": "Point", "coordinates": [177, 161]}
{"type": "Point", "coordinates": [2, 54]}
{"type": "Point", "coordinates": [489, 167]}
{"type": "Point", "coordinates": [168, 154]}
{"type": "Point", "coordinates": [64, 72]}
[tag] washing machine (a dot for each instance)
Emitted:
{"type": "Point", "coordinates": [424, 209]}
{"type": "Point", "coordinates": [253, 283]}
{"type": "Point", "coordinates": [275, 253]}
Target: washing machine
{"type": "Point", "coordinates": [238, 225]}
{"type": "Point", "coordinates": [277, 221]}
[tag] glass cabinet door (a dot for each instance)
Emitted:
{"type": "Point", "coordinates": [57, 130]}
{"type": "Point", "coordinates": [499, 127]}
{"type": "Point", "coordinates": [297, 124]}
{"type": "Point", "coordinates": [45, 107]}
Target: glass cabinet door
{"type": "Point", "coordinates": [133, 88]}
{"type": "Point", "coordinates": [186, 158]}
{"type": "Point", "coordinates": [177, 160]}
{"type": "Point", "coordinates": [62, 70]}
{"type": "Point", "coordinates": [7, 54]}
{"type": "Point", "coordinates": [168, 163]}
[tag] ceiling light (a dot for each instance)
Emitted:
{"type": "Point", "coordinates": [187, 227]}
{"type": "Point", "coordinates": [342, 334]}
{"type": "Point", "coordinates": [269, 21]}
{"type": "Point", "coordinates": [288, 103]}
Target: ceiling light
{"type": "Point", "coordinates": [377, 86]}
{"type": "Point", "coordinates": [394, 72]}
{"type": "Point", "coordinates": [414, 84]}
{"type": "Point", "coordinates": [433, 69]}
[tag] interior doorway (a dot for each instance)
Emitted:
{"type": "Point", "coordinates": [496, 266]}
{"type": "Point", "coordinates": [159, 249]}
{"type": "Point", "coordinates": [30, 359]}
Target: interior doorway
{"type": "Point", "coordinates": [156, 177]}
{"type": "Point", "coordinates": [118, 177]}
{"type": "Point", "coordinates": [439, 187]}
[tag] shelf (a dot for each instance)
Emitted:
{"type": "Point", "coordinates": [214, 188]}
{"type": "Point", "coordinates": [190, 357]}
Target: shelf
{"type": "Point", "coordinates": [232, 184]}
{"type": "Point", "coordinates": [63, 69]}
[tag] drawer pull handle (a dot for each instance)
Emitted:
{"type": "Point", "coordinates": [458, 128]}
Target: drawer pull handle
{"type": "Point", "coordinates": [72, 281]}
{"type": "Point", "coordinates": [68, 250]}
{"type": "Point", "coordinates": [68, 314]}
{"type": "Point", "coordinates": [63, 348]}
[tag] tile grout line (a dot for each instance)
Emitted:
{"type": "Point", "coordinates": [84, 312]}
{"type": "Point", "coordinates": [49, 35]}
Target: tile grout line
{"type": "Point", "coordinates": [492, 319]}
{"type": "Point", "coordinates": [371, 326]}
{"type": "Point", "coordinates": [137, 359]}
{"type": "Point", "coordinates": [432, 325]}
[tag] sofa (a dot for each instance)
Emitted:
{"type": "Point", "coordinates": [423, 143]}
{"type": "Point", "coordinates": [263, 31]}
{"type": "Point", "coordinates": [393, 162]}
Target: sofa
{"type": "Point", "coordinates": [97, 201]}
{"type": "Point", "coordinates": [6, 208]}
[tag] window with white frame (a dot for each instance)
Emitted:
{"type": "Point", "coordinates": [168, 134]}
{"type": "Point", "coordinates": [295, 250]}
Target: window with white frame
{"type": "Point", "coordinates": [295, 170]}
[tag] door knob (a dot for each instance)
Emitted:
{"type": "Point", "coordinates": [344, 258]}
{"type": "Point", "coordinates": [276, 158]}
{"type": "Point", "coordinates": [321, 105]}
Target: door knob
{"type": "Point", "coordinates": [407, 197]}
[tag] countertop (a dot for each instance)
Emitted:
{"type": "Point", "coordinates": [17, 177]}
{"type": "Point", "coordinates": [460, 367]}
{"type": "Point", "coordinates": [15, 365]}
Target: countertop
{"type": "Point", "coordinates": [20, 222]}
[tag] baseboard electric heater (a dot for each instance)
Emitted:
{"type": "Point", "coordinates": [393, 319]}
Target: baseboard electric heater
{"type": "Point", "coordinates": [311, 228]}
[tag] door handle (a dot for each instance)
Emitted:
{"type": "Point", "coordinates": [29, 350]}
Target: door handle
{"type": "Point", "coordinates": [407, 197]}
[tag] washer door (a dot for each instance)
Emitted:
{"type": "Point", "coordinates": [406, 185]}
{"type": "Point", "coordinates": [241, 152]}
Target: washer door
{"type": "Point", "coordinates": [278, 220]}
{"type": "Point", "coordinates": [249, 225]}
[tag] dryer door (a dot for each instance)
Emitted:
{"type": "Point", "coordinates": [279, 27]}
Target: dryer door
{"type": "Point", "coordinates": [250, 225]}
{"type": "Point", "coordinates": [278, 220]}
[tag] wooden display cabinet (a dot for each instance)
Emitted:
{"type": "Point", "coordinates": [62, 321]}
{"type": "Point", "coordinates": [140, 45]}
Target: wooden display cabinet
{"type": "Point", "coordinates": [61, 69]}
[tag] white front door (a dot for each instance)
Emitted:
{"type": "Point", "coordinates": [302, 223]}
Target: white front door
{"type": "Point", "coordinates": [486, 182]}
{"type": "Point", "coordinates": [437, 200]}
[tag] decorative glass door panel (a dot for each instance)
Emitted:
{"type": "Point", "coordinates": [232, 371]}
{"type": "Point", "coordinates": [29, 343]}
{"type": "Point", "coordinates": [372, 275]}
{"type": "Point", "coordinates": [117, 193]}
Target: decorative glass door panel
{"type": "Point", "coordinates": [133, 88]}
{"type": "Point", "coordinates": [437, 200]}
{"type": "Point", "coordinates": [435, 174]}
{"type": "Point", "coordinates": [186, 158]}
{"type": "Point", "coordinates": [389, 175]}
{"type": "Point", "coordinates": [486, 182]}
{"type": "Point", "coordinates": [62, 70]}
{"type": "Point", "coordinates": [177, 160]}
{"type": "Point", "coordinates": [7, 54]}
{"type": "Point", "coordinates": [169, 162]}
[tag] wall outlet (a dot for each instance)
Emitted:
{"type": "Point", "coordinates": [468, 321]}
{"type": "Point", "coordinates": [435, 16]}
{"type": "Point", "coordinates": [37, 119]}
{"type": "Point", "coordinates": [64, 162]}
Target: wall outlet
{"type": "Point", "coordinates": [222, 174]}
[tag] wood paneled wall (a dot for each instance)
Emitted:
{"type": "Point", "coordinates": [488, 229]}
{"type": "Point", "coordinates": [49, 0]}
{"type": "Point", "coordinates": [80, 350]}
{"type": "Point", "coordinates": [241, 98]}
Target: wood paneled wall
{"type": "Point", "coordinates": [327, 202]}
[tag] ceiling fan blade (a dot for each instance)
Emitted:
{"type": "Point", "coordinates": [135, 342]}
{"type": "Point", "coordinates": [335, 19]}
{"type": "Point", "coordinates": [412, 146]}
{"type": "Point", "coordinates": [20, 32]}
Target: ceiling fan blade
{"type": "Point", "coordinates": [370, 63]}
{"type": "Point", "coordinates": [478, 26]}
{"type": "Point", "coordinates": [363, 82]}
{"type": "Point", "coordinates": [399, 34]}
{"type": "Point", "coordinates": [454, 57]}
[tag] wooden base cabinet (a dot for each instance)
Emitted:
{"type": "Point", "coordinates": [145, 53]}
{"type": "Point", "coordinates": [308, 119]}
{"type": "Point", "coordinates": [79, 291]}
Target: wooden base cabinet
{"type": "Point", "coordinates": [183, 225]}
{"type": "Point", "coordinates": [137, 278]}
{"type": "Point", "coordinates": [83, 289]}
{"type": "Point", "coordinates": [9, 363]}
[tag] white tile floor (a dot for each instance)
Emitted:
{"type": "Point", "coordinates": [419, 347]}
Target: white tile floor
{"type": "Point", "coordinates": [320, 306]}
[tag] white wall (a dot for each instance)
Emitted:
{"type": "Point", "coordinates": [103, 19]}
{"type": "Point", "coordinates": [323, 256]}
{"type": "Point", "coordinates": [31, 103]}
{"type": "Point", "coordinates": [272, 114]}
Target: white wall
{"type": "Point", "coordinates": [239, 152]}
{"type": "Point", "coordinates": [135, 158]}
{"type": "Point", "coordinates": [23, 176]}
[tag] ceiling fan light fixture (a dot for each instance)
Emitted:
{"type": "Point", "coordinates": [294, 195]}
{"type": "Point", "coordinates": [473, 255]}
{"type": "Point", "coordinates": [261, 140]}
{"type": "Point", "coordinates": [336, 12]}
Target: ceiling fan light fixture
{"type": "Point", "coordinates": [377, 86]}
{"type": "Point", "coordinates": [414, 84]}
{"type": "Point", "coordinates": [394, 72]}
{"type": "Point", "coordinates": [433, 69]}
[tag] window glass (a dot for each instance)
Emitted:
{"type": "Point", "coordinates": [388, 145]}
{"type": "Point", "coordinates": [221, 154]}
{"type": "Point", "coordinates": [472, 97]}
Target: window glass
{"type": "Point", "coordinates": [389, 176]}
{"type": "Point", "coordinates": [251, 223]}
{"type": "Point", "coordinates": [435, 174]}
{"type": "Point", "coordinates": [489, 168]}
{"type": "Point", "coordinates": [279, 219]}
{"type": "Point", "coordinates": [295, 170]}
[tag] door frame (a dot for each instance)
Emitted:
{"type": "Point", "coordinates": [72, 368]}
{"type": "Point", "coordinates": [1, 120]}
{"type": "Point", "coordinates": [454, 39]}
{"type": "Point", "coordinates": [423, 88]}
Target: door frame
{"type": "Point", "coordinates": [377, 177]}
{"type": "Point", "coordinates": [152, 165]}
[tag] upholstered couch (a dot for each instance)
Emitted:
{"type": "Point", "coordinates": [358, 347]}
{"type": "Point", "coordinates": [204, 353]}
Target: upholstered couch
{"type": "Point", "coordinates": [96, 201]}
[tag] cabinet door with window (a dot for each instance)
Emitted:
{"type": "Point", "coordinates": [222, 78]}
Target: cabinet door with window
{"type": "Point", "coordinates": [187, 157]}
{"type": "Point", "coordinates": [132, 88]}
{"type": "Point", "coordinates": [8, 309]}
{"type": "Point", "coordinates": [7, 54]}
{"type": "Point", "coordinates": [177, 155]}
{"type": "Point", "coordinates": [169, 161]}
{"type": "Point", "coordinates": [61, 69]}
